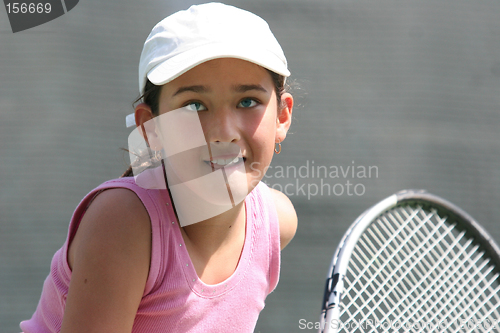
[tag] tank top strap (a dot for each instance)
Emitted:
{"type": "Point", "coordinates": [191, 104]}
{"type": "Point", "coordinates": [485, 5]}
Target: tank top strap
{"type": "Point", "coordinates": [264, 202]}
{"type": "Point", "coordinates": [151, 199]}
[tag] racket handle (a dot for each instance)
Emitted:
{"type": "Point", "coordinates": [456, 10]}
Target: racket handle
{"type": "Point", "coordinates": [333, 308]}
{"type": "Point", "coordinates": [332, 314]}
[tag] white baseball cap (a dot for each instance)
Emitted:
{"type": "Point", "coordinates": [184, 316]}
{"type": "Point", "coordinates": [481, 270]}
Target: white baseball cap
{"type": "Point", "coordinates": [204, 32]}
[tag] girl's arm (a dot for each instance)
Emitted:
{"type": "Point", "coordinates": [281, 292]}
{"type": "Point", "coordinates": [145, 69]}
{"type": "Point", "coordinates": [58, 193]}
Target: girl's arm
{"type": "Point", "coordinates": [287, 217]}
{"type": "Point", "coordinates": [109, 256]}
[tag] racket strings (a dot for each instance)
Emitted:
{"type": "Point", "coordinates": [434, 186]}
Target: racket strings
{"type": "Point", "coordinates": [420, 274]}
{"type": "Point", "coordinates": [412, 268]}
{"type": "Point", "coordinates": [478, 285]}
{"type": "Point", "coordinates": [481, 287]}
{"type": "Point", "coordinates": [390, 255]}
{"type": "Point", "coordinates": [431, 266]}
{"type": "Point", "coordinates": [416, 276]}
{"type": "Point", "coordinates": [425, 316]}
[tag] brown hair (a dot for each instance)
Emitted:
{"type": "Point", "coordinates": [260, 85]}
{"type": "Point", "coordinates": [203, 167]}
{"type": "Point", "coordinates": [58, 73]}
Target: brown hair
{"type": "Point", "coordinates": [151, 97]}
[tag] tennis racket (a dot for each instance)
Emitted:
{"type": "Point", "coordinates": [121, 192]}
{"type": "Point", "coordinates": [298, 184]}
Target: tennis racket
{"type": "Point", "coordinates": [413, 262]}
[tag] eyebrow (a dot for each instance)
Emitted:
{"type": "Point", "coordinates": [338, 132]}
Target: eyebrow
{"type": "Point", "coordinates": [241, 88]}
{"type": "Point", "coordinates": [196, 89]}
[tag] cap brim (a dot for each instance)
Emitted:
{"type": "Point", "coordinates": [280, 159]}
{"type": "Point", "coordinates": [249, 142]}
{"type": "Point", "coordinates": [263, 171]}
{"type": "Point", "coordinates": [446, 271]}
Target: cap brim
{"type": "Point", "coordinates": [175, 66]}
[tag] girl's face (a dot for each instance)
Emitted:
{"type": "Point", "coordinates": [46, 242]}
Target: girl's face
{"type": "Point", "coordinates": [236, 103]}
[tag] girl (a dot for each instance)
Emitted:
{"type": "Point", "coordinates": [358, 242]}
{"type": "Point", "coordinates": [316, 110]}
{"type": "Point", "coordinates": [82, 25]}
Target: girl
{"type": "Point", "coordinates": [137, 261]}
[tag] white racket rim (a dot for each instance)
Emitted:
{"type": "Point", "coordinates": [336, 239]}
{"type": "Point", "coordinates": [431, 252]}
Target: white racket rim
{"type": "Point", "coordinates": [342, 256]}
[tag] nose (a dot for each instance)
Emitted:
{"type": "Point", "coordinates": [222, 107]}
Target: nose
{"type": "Point", "coordinates": [222, 125]}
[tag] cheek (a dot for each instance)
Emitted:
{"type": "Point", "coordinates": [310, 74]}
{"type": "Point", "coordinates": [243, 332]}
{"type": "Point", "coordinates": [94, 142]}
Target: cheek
{"type": "Point", "coordinates": [267, 134]}
{"type": "Point", "coordinates": [264, 124]}
{"type": "Point", "coordinates": [263, 148]}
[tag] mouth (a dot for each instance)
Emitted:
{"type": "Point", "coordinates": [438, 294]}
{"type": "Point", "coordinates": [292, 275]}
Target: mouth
{"type": "Point", "coordinates": [219, 163]}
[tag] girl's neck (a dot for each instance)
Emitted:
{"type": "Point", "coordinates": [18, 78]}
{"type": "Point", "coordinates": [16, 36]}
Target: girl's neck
{"type": "Point", "coordinates": [208, 236]}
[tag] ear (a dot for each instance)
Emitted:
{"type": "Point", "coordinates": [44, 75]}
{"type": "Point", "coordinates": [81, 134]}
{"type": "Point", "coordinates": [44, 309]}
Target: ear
{"type": "Point", "coordinates": [146, 125]}
{"type": "Point", "coordinates": [284, 117]}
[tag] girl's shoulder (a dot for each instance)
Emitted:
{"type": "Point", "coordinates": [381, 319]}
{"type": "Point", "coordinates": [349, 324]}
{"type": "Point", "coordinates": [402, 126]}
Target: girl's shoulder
{"type": "Point", "coordinates": [109, 256]}
{"type": "Point", "coordinates": [115, 214]}
{"type": "Point", "coordinates": [286, 215]}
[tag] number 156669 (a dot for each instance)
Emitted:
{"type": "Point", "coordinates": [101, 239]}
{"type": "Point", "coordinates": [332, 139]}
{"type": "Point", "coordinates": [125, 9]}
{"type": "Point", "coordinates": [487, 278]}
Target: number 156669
{"type": "Point", "coordinates": [28, 8]}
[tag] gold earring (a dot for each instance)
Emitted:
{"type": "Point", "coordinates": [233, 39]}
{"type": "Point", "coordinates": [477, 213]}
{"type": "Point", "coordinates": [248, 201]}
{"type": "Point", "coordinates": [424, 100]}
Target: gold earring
{"type": "Point", "coordinates": [279, 148]}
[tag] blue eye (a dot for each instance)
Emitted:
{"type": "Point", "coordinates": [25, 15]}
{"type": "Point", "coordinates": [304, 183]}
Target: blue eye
{"type": "Point", "coordinates": [195, 106]}
{"type": "Point", "coordinates": [247, 103]}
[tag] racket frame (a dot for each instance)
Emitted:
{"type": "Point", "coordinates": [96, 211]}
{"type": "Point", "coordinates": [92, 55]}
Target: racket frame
{"type": "Point", "coordinates": [340, 261]}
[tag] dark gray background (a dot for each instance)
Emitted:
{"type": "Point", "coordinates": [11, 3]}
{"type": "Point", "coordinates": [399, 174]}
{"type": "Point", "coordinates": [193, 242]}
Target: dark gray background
{"type": "Point", "coordinates": [411, 87]}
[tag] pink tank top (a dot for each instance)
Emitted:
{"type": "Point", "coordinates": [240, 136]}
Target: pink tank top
{"type": "Point", "coordinates": [175, 299]}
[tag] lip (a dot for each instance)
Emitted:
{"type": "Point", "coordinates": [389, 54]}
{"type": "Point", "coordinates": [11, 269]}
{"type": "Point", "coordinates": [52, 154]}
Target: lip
{"type": "Point", "coordinates": [219, 155]}
{"type": "Point", "coordinates": [226, 161]}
